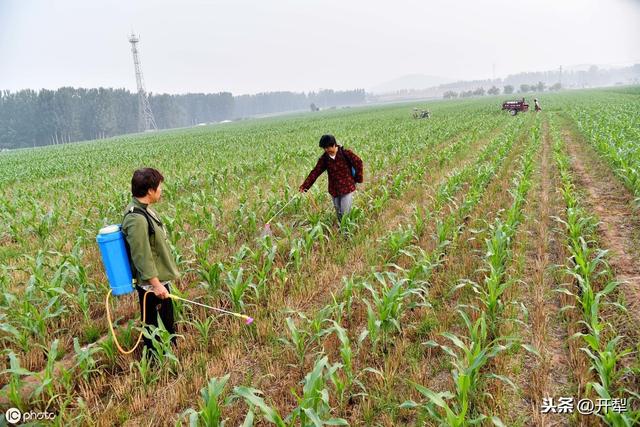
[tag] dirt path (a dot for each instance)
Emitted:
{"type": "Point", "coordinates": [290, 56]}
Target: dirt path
{"type": "Point", "coordinates": [547, 376]}
{"type": "Point", "coordinates": [619, 224]}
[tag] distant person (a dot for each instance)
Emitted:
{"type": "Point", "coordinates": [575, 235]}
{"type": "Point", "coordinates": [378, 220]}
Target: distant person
{"type": "Point", "coordinates": [344, 168]}
{"type": "Point", "coordinates": [152, 262]}
{"type": "Point", "coordinates": [537, 104]}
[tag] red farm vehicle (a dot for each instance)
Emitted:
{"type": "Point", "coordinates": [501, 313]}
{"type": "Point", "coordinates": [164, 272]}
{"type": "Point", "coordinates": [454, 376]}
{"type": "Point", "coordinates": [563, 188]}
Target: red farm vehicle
{"type": "Point", "coordinates": [515, 106]}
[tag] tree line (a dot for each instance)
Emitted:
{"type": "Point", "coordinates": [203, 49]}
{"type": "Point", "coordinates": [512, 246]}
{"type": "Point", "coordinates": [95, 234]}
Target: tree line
{"type": "Point", "coordinates": [507, 90]}
{"type": "Point", "coordinates": [30, 118]}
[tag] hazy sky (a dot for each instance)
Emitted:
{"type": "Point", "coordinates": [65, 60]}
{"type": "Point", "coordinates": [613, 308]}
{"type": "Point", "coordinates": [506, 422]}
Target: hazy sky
{"type": "Point", "coordinates": [248, 46]}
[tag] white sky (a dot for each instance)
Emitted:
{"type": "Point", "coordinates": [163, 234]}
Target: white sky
{"type": "Point", "coordinates": [248, 46]}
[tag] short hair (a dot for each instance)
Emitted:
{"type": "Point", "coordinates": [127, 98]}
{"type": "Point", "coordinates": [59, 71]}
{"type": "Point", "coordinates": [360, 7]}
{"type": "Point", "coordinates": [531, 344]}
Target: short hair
{"type": "Point", "coordinates": [327, 141]}
{"type": "Point", "coordinates": [145, 179]}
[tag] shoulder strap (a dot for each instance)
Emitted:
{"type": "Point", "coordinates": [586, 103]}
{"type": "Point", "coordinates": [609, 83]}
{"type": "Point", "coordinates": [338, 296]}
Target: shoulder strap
{"type": "Point", "coordinates": [346, 157]}
{"type": "Point", "coordinates": [144, 213]}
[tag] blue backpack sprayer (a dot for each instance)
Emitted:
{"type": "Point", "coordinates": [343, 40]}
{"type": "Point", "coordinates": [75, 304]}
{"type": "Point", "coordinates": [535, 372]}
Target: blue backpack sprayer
{"type": "Point", "coordinates": [117, 265]}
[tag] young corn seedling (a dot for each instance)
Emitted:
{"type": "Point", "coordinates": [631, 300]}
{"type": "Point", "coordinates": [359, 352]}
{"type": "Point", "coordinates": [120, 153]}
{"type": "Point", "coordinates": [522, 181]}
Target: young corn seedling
{"type": "Point", "coordinates": [162, 342]}
{"type": "Point", "coordinates": [420, 221]}
{"type": "Point", "coordinates": [264, 261]}
{"type": "Point", "coordinates": [296, 253]}
{"type": "Point", "coordinates": [314, 235]}
{"type": "Point", "coordinates": [146, 369]}
{"type": "Point", "coordinates": [15, 384]}
{"type": "Point", "coordinates": [253, 399]}
{"type": "Point", "coordinates": [491, 291]}
{"type": "Point", "coordinates": [209, 272]}
{"type": "Point", "coordinates": [85, 362]}
{"type": "Point", "coordinates": [204, 329]}
{"type": "Point", "coordinates": [303, 338]}
{"type": "Point", "coordinates": [445, 230]}
{"type": "Point", "coordinates": [46, 387]}
{"type": "Point", "coordinates": [109, 350]}
{"type": "Point", "coordinates": [350, 222]}
{"type": "Point", "coordinates": [210, 413]}
{"type": "Point", "coordinates": [13, 334]}
{"type": "Point", "coordinates": [342, 375]}
{"type": "Point", "coordinates": [236, 286]}
{"type": "Point", "coordinates": [299, 340]}
{"type": "Point", "coordinates": [398, 240]}
{"type": "Point", "coordinates": [347, 293]}
{"type": "Point", "coordinates": [387, 306]}
{"type": "Point", "coordinates": [468, 357]}
{"type": "Point", "coordinates": [313, 405]}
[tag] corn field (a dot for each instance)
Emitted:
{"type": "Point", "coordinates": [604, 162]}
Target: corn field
{"type": "Point", "coordinates": [481, 278]}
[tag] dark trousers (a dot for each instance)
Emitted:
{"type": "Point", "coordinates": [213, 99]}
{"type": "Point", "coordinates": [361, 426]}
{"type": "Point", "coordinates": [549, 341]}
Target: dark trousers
{"type": "Point", "coordinates": [155, 306]}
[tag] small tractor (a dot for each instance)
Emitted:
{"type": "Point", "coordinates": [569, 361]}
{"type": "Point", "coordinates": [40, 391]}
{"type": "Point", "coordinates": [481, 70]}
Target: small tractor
{"type": "Point", "coordinates": [421, 114]}
{"type": "Point", "coordinates": [514, 106]}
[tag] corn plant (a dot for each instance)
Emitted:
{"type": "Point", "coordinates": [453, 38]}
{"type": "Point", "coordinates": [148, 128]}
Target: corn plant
{"type": "Point", "coordinates": [16, 382]}
{"type": "Point", "coordinates": [46, 387]}
{"type": "Point", "coordinates": [315, 234]}
{"type": "Point", "coordinates": [347, 293]}
{"type": "Point", "coordinates": [209, 272]}
{"type": "Point", "coordinates": [397, 240]}
{"type": "Point", "coordinates": [490, 292]}
{"type": "Point", "coordinates": [13, 334]}
{"type": "Point", "coordinates": [204, 329]}
{"type": "Point", "coordinates": [264, 260]}
{"type": "Point", "coordinates": [85, 362]}
{"type": "Point", "coordinates": [236, 286]}
{"type": "Point", "coordinates": [145, 369]}
{"type": "Point", "coordinates": [302, 338]}
{"type": "Point", "coordinates": [468, 357]}
{"type": "Point", "coordinates": [109, 350]}
{"type": "Point", "coordinates": [210, 413]}
{"type": "Point", "coordinates": [342, 374]}
{"type": "Point", "coordinates": [253, 399]}
{"type": "Point", "coordinates": [387, 306]}
{"type": "Point", "coordinates": [299, 340]}
{"type": "Point", "coordinates": [313, 404]}
{"type": "Point", "coordinates": [296, 253]}
{"type": "Point", "coordinates": [162, 343]}
{"type": "Point", "coordinates": [350, 222]}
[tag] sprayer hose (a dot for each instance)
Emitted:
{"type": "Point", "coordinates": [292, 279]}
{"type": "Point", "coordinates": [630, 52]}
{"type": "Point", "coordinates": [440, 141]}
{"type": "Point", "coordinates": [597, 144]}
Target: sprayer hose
{"type": "Point", "coordinates": [113, 333]}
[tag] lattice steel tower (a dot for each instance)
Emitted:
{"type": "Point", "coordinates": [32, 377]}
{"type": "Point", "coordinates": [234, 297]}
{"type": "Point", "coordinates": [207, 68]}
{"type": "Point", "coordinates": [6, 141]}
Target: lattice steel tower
{"type": "Point", "coordinates": [146, 121]}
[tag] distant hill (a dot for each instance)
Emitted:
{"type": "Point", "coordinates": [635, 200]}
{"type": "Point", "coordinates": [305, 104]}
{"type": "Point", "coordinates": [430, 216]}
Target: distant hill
{"type": "Point", "coordinates": [410, 81]}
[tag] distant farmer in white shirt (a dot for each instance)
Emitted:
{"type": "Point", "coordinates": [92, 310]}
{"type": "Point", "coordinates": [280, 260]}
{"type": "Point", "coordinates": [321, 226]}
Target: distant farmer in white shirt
{"type": "Point", "coordinates": [537, 104]}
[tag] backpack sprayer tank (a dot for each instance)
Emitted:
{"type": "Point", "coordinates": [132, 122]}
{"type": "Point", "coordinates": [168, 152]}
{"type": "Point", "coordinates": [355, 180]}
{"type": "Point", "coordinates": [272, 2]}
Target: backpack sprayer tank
{"type": "Point", "coordinates": [115, 259]}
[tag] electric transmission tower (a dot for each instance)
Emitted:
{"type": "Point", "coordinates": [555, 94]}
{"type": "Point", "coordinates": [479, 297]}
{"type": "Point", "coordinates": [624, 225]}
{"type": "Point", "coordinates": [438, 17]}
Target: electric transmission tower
{"type": "Point", "coordinates": [146, 121]}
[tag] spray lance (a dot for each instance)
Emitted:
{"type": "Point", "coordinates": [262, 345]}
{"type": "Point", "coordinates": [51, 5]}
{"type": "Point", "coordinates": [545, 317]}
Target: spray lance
{"type": "Point", "coordinates": [117, 265]}
{"type": "Point", "coordinates": [266, 230]}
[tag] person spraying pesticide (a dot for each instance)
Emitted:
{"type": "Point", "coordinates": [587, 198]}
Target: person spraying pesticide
{"type": "Point", "coordinates": [138, 253]}
{"type": "Point", "coordinates": [152, 263]}
{"type": "Point", "coordinates": [344, 168]}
